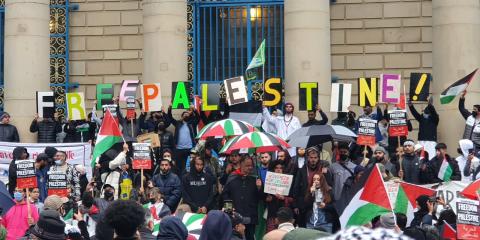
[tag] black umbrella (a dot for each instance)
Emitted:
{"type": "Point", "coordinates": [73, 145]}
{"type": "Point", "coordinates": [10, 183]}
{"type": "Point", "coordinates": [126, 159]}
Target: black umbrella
{"type": "Point", "coordinates": [6, 202]}
{"type": "Point", "coordinates": [311, 136]}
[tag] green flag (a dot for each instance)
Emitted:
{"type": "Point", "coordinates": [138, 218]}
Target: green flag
{"type": "Point", "coordinates": [257, 61]}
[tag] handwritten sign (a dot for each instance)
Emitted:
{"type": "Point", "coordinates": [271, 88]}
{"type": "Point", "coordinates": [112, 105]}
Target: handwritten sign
{"type": "Point", "coordinates": [277, 183]}
{"type": "Point", "coordinates": [26, 174]}
{"type": "Point", "coordinates": [468, 219]}
{"type": "Point", "coordinates": [397, 123]}
{"type": "Point", "coordinates": [366, 131]}
{"type": "Point", "coordinates": [141, 156]}
{"type": "Point", "coordinates": [57, 184]}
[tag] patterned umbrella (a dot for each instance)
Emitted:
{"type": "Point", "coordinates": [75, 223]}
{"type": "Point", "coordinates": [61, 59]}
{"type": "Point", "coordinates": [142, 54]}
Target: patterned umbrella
{"type": "Point", "coordinates": [225, 128]}
{"type": "Point", "coordinates": [255, 142]}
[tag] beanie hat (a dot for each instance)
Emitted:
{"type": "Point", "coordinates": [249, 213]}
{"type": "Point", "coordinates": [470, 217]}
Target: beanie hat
{"type": "Point", "coordinates": [387, 221]}
{"type": "Point", "coordinates": [418, 147]}
{"type": "Point", "coordinates": [54, 202]}
{"type": "Point", "coordinates": [4, 115]}
{"type": "Point", "coordinates": [380, 149]}
{"type": "Point", "coordinates": [49, 226]}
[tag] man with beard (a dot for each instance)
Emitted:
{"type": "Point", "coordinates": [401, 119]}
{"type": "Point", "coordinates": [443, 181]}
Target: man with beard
{"type": "Point", "coordinates": [286, 125]}
{"type": "Point", "coordinates": [367, 113]}
{"type": "Point", "coordinates": [169, 184]}
{"type": "Point", "coordinates": [342, 171]}
{"type": "Point", "coordinates": [8, 132]}
{"type": "Point", "coordinates": [302, 180]}
{"type": "Point", "coordinates": [472, 124]}
{"type": "Point", "coordinates": [42, 168]}
{"type": "Point", "coordinates": [233, 165]}
{"type": "Point", "coordinates": [265, 159]}
{"type": "Point", "coordinates": [312, 118]}
{"type": "Point", "coordinates": [185, 131]}
{"type": "Point", "coordinates": [380, 155]}
{"type": "Point", "coordinates": [412, 166]}
{"type": "Point", "coordinates": [244, 191]}
{"type": "Point", "coordinates": [288, 165]}
{"type": "Point", "coordinates": [433, 166]}
{"type": "Point", "coordinates": [73, 176]}
{"type": "Point", "coordinates": [198, 188]}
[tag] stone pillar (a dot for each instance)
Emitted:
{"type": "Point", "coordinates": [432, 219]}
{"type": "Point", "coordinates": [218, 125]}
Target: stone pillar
{"type": "Point", "coordinates": [27, 64]}
{"type": "Point", "coordinates": [456, 53]}
{"type": "Point", "coordinates": [165, 43]}
{"type": "Point", "coordinates": [307, 49]}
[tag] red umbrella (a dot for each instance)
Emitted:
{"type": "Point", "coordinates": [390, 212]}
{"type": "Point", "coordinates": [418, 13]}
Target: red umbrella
{"type": "Point", "coordinates": [472, 190]}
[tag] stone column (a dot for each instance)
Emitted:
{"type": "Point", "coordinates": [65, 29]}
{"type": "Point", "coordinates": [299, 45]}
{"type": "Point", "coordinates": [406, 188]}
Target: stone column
{"type": "Point", "coordinates": [165, 43]}
{"type": "Point", "coordinates": [307, 49]}
{"type": "Point", "coordinates": [27, 64]}
{"type": "Point", "coordinates": [456, 53]}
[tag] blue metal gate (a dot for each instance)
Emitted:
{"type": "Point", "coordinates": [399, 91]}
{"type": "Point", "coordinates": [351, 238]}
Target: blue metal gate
{"type": "Point", "coordinates": [224, 36]}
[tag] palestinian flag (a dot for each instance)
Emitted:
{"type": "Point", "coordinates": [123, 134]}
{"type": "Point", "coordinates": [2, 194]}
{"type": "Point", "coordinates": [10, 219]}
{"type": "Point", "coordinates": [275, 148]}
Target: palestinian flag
{"type": "Point", "coordinates": [197, 103]}
{"type": "Point", "coordinates": [472, 191]}
{"type": "Point", "coordinates": [368, 202]}
{"type": "Point", "coordinates": [406, 198]}
{"type": "Point", "coordinates": [445, 171]}
{"type": "Point", "coordinates": [108, 135]}
{"type": "Point", "coordinates": [193, 222]}
{"type": "Point", "coordinates": [448, 232]}
{"type": "Point", "coordinates": [456, 89]}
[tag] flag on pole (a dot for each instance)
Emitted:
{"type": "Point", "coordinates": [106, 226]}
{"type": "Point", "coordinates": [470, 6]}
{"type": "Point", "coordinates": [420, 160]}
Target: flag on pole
{"type": "Point", "coordinates": [406, 198]}
{"type": "Point", "coordinates": [445, 171]}
{"type": "Point", "coordinates": [456, 88]}
{"type": "Point", "coordinates": [448, 232]}
{"type": "Point", "coordinates": [472, 190]}
{"type": "Point", "coordinates": [368, 202]}
{"type": "Point", "coordinates": [257, 61]}
{"type": "Point", "coordinates": [108, 135]}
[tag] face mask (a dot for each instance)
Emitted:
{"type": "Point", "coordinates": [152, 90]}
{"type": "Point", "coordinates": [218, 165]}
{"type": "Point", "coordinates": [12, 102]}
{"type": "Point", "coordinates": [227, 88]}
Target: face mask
{"type": "Point", "coordinates": [343, 157]}
{"type": "Point", "coordinates": [474, 113]}
{"type": "Point", "coordinates": [108, 194]}
{"type": "Point", "coordinates": [58, 162]}
{"type": "Point", "coordinates": [18, 196]}
{"type": "Point", "coordinates": [152, 200]}
{"type": "Point", "coordinates": [426, 115]}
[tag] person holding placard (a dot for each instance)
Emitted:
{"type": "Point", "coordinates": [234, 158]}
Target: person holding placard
{"type": "Point", "coordinates": [167, 141]}
{"type": "Point", "coordinates": [427, 126]}
{"type": "Point", "coordinates": [8, 132]}
{"type": "Point", "coordinates": [73, 176]}
{"type": "Point", "coordinates": [312, 114]}
{"type": "Point", "coordinates": [19, 153]}
{"type": "Point", "coordinates": [151, 124]}
{"type": "Point", "coordinates": [368, 114]}
{"type": "Point", "coordinates": [275, 202]}
{"type": "Point", "coordinates": [47, 129]}
{"type": "Point", "coordinates": [345, 119]}
{"type": "Point", "coordinates": [20, 217]}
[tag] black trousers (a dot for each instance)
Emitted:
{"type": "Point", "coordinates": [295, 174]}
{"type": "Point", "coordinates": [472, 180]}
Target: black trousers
{"type": "Point", "coordinates": [250, 231]}
{"type": "Point", "coordinates": [181, 156]}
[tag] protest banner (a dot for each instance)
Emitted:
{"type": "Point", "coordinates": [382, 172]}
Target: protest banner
{"type": "Point", "coordinates": [419, 86]}
{"type": "Point", "coordinates": [390, 88]}
{"type": "Point", "coordinates": [45, 104]}
{"type": "Point", "coordinates": [450, 192]}
{"type": "Point", "coordinates": [151, 138]}
{"type": "Point", "coordinates": [210, 97]}
{"type": "Point", "coordinates": [26, 177]}
{"type": "Point", "coordinates": [341, 97]}
{"type": "Point", "coordinates": [77, 153]}
{"type": "Point", "coordinates": [468, 219]}
{"type": "Point", "coordinates": [129, 89]}
{"type": "Point", "coordinates": [104, 94]}
{"type": "Point", "coordinates": [397, 123]}
{"type": "Point", "coordinates": [367, 92]}
{"type": "Point", "coordinates": [277, 183]}
{"type": "Point", "coordinates": [57, 184]}
{"type": "Point", "coordinates": [141, 156]}
{"type": "Point", "coordinates": [181, 98]}
{"type": "Point", "coordinates": [366, 132]}
{"type": "Point", "coordinates": [307, 95]}
{"type": "Point", "coordinates": [236, 90]}
{"type": "Point", "coordinates": [76, 106]}
{"type": "Point", "coordinates": [152, 97]}
{"type": "Point", "coordinates": [272, 96]}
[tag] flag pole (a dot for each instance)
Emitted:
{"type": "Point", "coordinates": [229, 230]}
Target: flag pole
{"type": "Point", "coordinates": [115, 121]}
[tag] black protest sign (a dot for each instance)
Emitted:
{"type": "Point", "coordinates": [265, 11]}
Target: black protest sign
{"type": "Point", "coordinates": [57, 184]}
{"type": "Point", "coordinates": [419, 86]}
{"type": "Point", "coordinates": [307, 95]}
{"type": "Point", "coordinates": [181, 98]}
{"type": "Point", "coordinates": [26, 177]}
{"type": "Point", "coordinates": [366, 131]}
{"type": "Point", "coordinates": [468, 219]}
{"type": "Point", "coordinates": [273, 94]}
{"type": "Point", "coordinates": [141, 156]}
{"type": "Point", "coordinates": [397, 125]}
{"type": "Point", "coordinates": [45, 104]}
{"type": "Point", "coordinates": [236, 90]}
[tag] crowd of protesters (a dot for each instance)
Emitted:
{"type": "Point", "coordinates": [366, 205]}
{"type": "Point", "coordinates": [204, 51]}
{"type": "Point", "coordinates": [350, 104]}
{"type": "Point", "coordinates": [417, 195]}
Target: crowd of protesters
{"type": "Point", "coordinates": [191, 176]}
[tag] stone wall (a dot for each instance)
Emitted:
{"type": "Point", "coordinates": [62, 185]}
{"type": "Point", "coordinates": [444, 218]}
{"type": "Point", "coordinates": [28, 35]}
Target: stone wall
{"type": "Point", "coordinates": [105, 43]}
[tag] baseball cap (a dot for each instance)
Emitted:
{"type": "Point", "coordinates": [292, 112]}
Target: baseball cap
{"type": "Point", "coordinates": [54, 202]}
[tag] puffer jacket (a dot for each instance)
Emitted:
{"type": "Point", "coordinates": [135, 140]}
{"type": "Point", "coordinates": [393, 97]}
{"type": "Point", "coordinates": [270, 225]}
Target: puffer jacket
{"type": "Point", "coordinates": [472, 127]}
{"type": "Point", "coordinates": [171, 188]}
{"type": "Point", "coordinates": [47, 130]}
{"type": "Point", "coordinates": [8, 133]}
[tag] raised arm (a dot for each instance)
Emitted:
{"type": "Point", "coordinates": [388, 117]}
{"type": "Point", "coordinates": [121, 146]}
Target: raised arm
{"type": "Point", "coordinates": [461, 107]}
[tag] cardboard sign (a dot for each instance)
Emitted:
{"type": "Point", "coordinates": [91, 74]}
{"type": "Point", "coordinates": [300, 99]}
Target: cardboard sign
{"type": "Point", "coordinates": [152, 97]}
{"type": "Point", "coordinates": [45, 104]}
{"type": "Point", "coordinates": [129, 89]}
{"type": "Point", "coordinates": [76, 106]}
{"type": "Point", "coordinates": [210, 99]}
{"type": "Point", "coordinates": [420, 86]}
{"type": "Point", "coordinates": [277, 183]}
{"type": "Point", "coordinates": [181, 98]}
{"type": "Point", "coordinates": [367, 92]}
{"type": "Point", "coordinates": [366, 131]}
{"type": "Point", "coordinates": [151, 138]}
{"type": "Point", "coordinates": [104, 94]}
{"type": "Point", "coordinates": [141, 156]}
{"type": "Point", "coordinates": [468, 219]}
{"type": "Point", "coordinates": [397, 123]}
{"type": "Point", "coordinates": [341, 97]}
{"type": "Point", "coordinates": [26, 177]}
{"type": "Point", "coordinates": [390, 88]}
{"type": "Point", "coordinates": [131, 108]}
{"type": "Point", "coordinates": [307, 95]}
{"type": "Point", "coordinates": [272, 95]}
{"type": "Point", "coordinates": [236, 90]}
{"type": "Point", "coordinates": [57, 184]}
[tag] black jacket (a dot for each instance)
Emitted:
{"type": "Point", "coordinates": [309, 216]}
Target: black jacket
{"type": "Point", "coordinates": [300, 188]}
{"type": "Point", "coordinates": [127, 126]}
{"type": "Point", "coordinates": [198, 190]}
{"type": "Point", "coordinates": [427, 126]}
{"type": "Point", "coordinates": [47, 130]}
{"type": "Point", "coordinates": [12, 169]}
{"type": "Point", "coordinates": [192, 125]}
{"type": "Point", "coordinates": [411, 166]}
{"type": "Point", "coordinates": [243, 192]}
{"type": "Point", "coordinates": [433, 167]}
{"type": "Point", "coordinates": [73, 135]}
{"type": "Point", "coordinates": [317, 122]}
{"type": "Point", "coordinates": [8, 133]}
